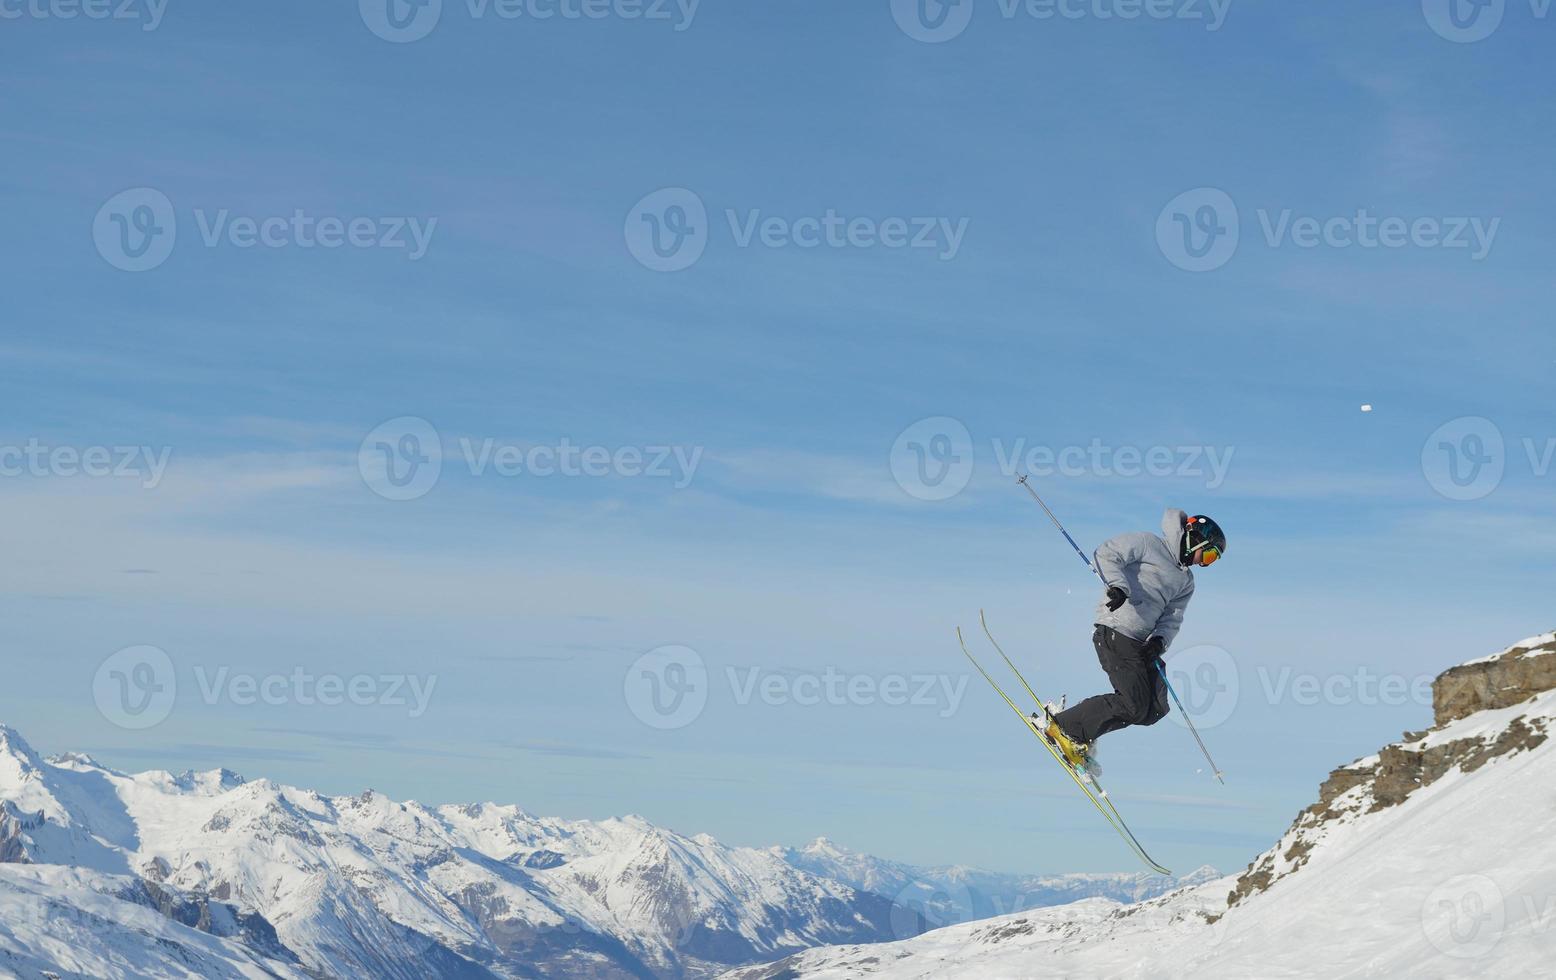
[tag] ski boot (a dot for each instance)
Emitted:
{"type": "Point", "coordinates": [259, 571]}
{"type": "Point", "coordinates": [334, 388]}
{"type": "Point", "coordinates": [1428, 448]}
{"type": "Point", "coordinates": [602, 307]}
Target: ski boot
{"type": "Point", "coordinates": [1078, 755]}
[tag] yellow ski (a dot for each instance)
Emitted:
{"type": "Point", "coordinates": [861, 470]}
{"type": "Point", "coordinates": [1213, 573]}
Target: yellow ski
{"type": "Point", "coordinates": [1099, 798]}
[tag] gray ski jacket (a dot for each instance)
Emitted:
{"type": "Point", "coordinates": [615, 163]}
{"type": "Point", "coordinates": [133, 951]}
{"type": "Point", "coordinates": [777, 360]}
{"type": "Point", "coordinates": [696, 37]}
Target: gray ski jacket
{"type": "Point", "coordinates": [1146, 567]}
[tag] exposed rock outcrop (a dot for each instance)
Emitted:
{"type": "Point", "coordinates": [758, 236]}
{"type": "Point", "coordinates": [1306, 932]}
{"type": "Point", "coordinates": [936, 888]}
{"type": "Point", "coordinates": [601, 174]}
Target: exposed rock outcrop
{"type": "Point", "coordinates": [1506, 680]}
{"type": "Point", "coordinates": [1501, 681]}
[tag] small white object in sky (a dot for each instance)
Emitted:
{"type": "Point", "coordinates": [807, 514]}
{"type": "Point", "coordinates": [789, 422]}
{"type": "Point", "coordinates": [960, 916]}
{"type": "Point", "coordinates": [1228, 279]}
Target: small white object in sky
{"type": "Point", "coordinates": [1366, 408]}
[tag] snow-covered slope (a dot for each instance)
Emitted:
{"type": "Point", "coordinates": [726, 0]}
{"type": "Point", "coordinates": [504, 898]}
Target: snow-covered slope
{"type": "Point", "coordinates": [947, 895]}
{"type": "Point", "coordinates": [1434, 858]}
{"type": "Point", "coordinates": [368, 887]}
{"type": "Point", "coordinates": [63, 923]}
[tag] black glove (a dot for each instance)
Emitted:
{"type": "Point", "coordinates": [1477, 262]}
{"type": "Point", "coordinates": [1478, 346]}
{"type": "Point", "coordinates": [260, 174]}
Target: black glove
{"type": "Point", "coordinates": [1154, 647]}
{"type": "Point", "coordinates": [1116, 597]}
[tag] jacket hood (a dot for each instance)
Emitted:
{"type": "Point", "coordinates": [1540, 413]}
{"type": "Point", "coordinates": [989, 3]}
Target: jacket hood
{"type": "Point", "coordinates": [1172, 530]}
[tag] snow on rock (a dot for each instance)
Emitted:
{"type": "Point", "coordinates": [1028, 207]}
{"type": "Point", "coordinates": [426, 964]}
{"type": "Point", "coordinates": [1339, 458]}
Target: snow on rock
{"type": "Point", "coordinates": [1433, 858]}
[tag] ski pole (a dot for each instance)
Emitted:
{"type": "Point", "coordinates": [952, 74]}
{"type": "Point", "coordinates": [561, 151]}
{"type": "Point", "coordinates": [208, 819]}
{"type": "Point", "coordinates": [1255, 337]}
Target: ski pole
{"type": "Point", "coordinates": [1089, 566]}
{"type": "Point", "coordinates": [1161, 667]}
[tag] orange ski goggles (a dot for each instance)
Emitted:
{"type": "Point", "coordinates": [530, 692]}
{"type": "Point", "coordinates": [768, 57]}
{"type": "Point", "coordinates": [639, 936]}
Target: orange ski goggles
{"type": "Point", "coordinates": [1208, 555]}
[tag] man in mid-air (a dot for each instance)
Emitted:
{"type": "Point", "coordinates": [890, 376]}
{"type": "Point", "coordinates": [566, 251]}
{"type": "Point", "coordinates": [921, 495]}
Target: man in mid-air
{"type": "Point", "coordinates": [1149, 582]}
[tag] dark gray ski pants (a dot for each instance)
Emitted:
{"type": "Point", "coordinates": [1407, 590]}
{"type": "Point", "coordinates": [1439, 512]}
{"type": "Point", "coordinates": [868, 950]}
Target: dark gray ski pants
{"type": "Point", "coordinates": [1139, 692]}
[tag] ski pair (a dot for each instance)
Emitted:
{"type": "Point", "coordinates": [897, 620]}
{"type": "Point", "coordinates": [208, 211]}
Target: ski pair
{"type": "Point", "coordinates": [1099, 798]}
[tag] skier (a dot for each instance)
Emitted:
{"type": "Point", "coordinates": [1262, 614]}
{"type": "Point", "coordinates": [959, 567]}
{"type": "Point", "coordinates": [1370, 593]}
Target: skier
{"type": "Point", "coordinates": [1149, 584]}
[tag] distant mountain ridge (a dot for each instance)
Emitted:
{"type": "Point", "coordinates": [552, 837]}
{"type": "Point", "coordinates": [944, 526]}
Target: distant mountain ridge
{"type": "Point", "coordinates": [947, 895]}
{"type": "Point", "coordinates": [367, 887]}
{"type": "Point", "coordinates": [253, 878]}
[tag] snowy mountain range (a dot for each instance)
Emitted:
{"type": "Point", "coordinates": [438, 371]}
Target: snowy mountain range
{"type": "Point", "coordinates": [947, 895]}
{"type": "Point", "coordinates": [1433, 858]}
{"type": "Point", "coordinates": [107, 874]}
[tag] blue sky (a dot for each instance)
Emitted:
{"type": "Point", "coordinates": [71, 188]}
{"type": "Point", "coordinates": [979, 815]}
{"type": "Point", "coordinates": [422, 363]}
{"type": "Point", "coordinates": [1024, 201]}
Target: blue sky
{"type": "Point", "coordinates": [524, 150]}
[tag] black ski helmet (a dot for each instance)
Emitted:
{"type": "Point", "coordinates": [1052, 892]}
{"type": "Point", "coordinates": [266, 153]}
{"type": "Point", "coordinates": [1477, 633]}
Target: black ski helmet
{"type": "Point", "coordinates": [1203, 541]}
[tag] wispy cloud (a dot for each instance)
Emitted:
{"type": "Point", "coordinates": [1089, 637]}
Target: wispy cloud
{"type": "Point", "coordinates": [569, 751]}
{"type": "Point", "coordinates": [791, 472]}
